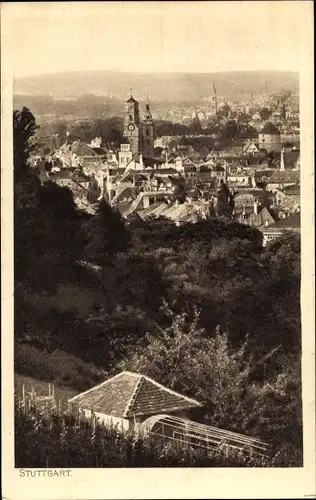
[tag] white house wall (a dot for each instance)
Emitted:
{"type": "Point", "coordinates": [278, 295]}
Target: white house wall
{"type": "Point", "coordinates": [109, 420]}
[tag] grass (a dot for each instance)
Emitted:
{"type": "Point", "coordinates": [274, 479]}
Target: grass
{"type": "Point", "coordinates": [40, 387]}
{"type": "Point", "coordinates": [63, 368]}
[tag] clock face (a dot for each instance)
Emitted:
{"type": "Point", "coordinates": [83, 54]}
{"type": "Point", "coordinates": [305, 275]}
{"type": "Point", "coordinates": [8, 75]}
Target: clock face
{"type": "Point", "coordinates": [131, 127]}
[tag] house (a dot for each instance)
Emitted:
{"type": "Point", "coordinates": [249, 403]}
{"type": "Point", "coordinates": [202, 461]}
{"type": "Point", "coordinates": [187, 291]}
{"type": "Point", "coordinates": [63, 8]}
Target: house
{"type": "Point", "coordinates": [128, 399]}
{"type": "Point", "coordinates": [270, 138]}
{"type": "Point", "coordinates": [251, 148]}
{"type": "Point", "coordinates": [288, 200]}
{"type": "Point", "coordinates": [283, 178]}
{"type": "Point", "coordinates": [81, 154]}
{"type": "Point", "coordinates": [262, 176]}
{"type": "Point", "coordinates": [260, 218]}
{"type": "Point", "coordinates": [239, 179]}
{"type": "Point", "coordinates": [134, 402]}
{"type": "Point", "coordinates": [291, 223]}
{"type": "Point", "coordinates": [288, 192]}
{"type": "Point", "coordinates": [72, 178]}
{"type": "Point", "coordinates": [248, 196]}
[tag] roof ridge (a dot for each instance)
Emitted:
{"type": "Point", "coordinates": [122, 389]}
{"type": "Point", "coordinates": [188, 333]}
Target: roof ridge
{"type": "Point", "coordinates": [95, 387]}
{"type": "Point", "coordinates": [134, 395]}
{"type": "Point", "coordinates": [171, 391]}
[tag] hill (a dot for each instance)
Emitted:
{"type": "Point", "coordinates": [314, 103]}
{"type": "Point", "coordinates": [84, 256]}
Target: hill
{"type": "Point", "coordinates": [162, 87]}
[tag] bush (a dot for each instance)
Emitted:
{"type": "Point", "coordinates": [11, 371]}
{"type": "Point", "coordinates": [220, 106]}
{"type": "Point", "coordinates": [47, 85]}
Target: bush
{"type": "Point", "coordinates": [62, 441]}
{"type": "Point", "coordinates": [183, 358]}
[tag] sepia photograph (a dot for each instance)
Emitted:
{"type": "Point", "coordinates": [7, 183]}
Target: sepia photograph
{"type": "Point", "coordinates": [157, 235]}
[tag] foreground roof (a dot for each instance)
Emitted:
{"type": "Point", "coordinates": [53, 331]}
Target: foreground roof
{"type": "Point", "coordinates": [269, 129]}
{"type": "Point", "coordinates": [130, 394]}
{"type": "Point", "coordinates": [291, 222]}
{"type": "Point", "coordinates": [285, 176]}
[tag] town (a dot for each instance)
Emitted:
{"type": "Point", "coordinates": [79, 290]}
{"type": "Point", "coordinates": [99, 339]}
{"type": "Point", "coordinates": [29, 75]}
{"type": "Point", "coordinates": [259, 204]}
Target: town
{"type": "Point", "coordinates": [157, 236]}
{"type": "Point", "coordinates": [250, 147]}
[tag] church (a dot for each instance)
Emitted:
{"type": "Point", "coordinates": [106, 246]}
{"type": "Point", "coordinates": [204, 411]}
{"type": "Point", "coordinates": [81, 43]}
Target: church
{"type": "Point", "coordinates": [139, 131]}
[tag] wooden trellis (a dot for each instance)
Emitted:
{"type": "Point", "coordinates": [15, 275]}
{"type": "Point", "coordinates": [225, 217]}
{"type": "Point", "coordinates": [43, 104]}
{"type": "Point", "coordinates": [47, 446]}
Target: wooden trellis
{"type": "Point", "coordinates": [193, 434]}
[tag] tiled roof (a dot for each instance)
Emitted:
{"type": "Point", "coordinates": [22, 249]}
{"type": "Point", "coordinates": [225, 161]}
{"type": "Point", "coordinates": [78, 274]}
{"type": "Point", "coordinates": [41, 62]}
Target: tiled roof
{"type": "Point", "coordinates": [82, 149]}
{"type": "Point", "coordinates": [261, 219]}
{"type": "Point", "coordinates": [288, 176]}
{"type": "Point", "coordinates": [291, 158]}
{"type": "Point", "coordinates": [128, 394]}
{"type": "Point", "coordinates": [261, 174]}
{"type": "Point", "coordinates": [99, 151]}
{"type": "Point", "coordinates": [292, 190]}
{"type": "Point", "coordinates": [123, 207]}
{"type": "Point", "coordinates": [291, 222]}
{"type": "Point", "coordinates": [269, 129]}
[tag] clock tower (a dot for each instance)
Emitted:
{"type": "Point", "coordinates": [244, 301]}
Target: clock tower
{"type": "Point", "coordinates": [132, 125]}
{"type": "Point", "coordinates": [148, 133]}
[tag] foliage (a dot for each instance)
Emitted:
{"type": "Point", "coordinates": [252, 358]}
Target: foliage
{"type": "Point", "coordinates": [46, 218]}
{"type": "Point", "coordinates": [229, 329]}
{"type": "Point", "coordinates": [24, 127]}
{"type": "Point", "coordinates": [105, 235]}
{"type": "Point", "coordinates": [58, 440]}
{"type": "Point", "coordinates": [184, 358]}
{"type": "Point", "coordinates": [57, 366]}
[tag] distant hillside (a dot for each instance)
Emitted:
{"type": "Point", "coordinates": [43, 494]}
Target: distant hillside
{"type": "Point", "coordinates": [170, 87]}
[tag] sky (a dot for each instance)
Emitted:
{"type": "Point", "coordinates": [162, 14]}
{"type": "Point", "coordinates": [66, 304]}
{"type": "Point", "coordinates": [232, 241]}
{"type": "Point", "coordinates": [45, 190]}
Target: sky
{"type": "Point", "coordinates": [157, 36]}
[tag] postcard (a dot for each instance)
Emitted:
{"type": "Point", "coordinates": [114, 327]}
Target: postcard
{"type": "Point", "coordinates": [157, 250]}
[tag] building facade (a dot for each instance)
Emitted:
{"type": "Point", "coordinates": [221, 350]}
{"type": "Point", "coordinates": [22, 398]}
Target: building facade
{"type": "Point", "coordinates": [270, 138]}
{"type": "Point", "coordinates": [139, 131]}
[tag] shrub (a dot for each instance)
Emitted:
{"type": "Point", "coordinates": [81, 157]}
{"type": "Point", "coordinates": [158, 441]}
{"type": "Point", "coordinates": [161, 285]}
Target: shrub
{"type": "Point", "coordinates": [62, 441]}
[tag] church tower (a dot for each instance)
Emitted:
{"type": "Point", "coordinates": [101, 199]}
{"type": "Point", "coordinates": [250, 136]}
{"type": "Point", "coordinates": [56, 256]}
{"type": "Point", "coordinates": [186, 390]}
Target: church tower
{"type": "Point", "coordinates": [148, 133]}
{"type": "Point", "coordinates": [132, 126]}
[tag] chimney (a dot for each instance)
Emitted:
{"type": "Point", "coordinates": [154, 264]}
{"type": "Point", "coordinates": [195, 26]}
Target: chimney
{"type": "Point", "coordinates": [282, 167]}
{"type": "Point", "coordinates": [244, 212]}
{"type": "Point", "coordinates": [141, 161]}
{"type": "Point", "coordinates": [255, 207]}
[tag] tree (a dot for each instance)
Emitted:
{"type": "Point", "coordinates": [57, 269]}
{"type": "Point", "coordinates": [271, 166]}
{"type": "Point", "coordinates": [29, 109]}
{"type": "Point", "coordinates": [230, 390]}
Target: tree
{"type": "Point", "coordinates": [106, 235]}
{"type": "Point", "coordinates": [46, 218]}
{"type": "Point", "coordinates": [24, 127]}
{"type": "Point", "coordinates": [182, 357]}
{"type": "Point", "coordinates": [94, 191]}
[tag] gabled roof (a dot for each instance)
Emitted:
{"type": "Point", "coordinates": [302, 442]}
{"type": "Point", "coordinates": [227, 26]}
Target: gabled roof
{"type": "Point", "coordinates": [291, 222]}
{"type": "Point", "coordinates": [269, 129]}
{"type": "Point", "coordinates": [129, 394]}
{"type": "Point", "coordinates": [292, 190]}
{"type": "Point", "coordinates": [83, 149]}
{"type": "Point", "coordinates": [285, 176]}
{"type": "Point", "coordinates": [291, 158]}
{"type": "Point", "coordinates": [261, 219]}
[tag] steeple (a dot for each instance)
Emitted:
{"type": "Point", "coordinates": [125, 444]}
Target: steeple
{"type": "Point", "coordinates": [131, 99]}
{"type": "Point", "coordinates": [148, 112]}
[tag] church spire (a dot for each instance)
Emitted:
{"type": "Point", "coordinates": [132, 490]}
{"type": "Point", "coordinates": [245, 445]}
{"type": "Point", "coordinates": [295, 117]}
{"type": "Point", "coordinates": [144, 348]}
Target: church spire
{"type": "Point", "coordinates": [148, 113]}
{"type": "Point", "coordinates": [131, 99]}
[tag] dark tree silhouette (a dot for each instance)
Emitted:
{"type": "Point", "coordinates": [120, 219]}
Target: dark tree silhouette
{"type": "Point", "coordinates": [106, 235]}
{"type": "Point", "coordinates": [24, 127]}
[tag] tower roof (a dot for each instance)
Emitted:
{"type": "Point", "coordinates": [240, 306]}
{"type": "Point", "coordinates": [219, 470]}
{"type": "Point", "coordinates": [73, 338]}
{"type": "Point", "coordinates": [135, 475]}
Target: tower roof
{"type": "Point", "coordinates": [131, 99]}
{"type": "Point", "coordinates": [269, 129]}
